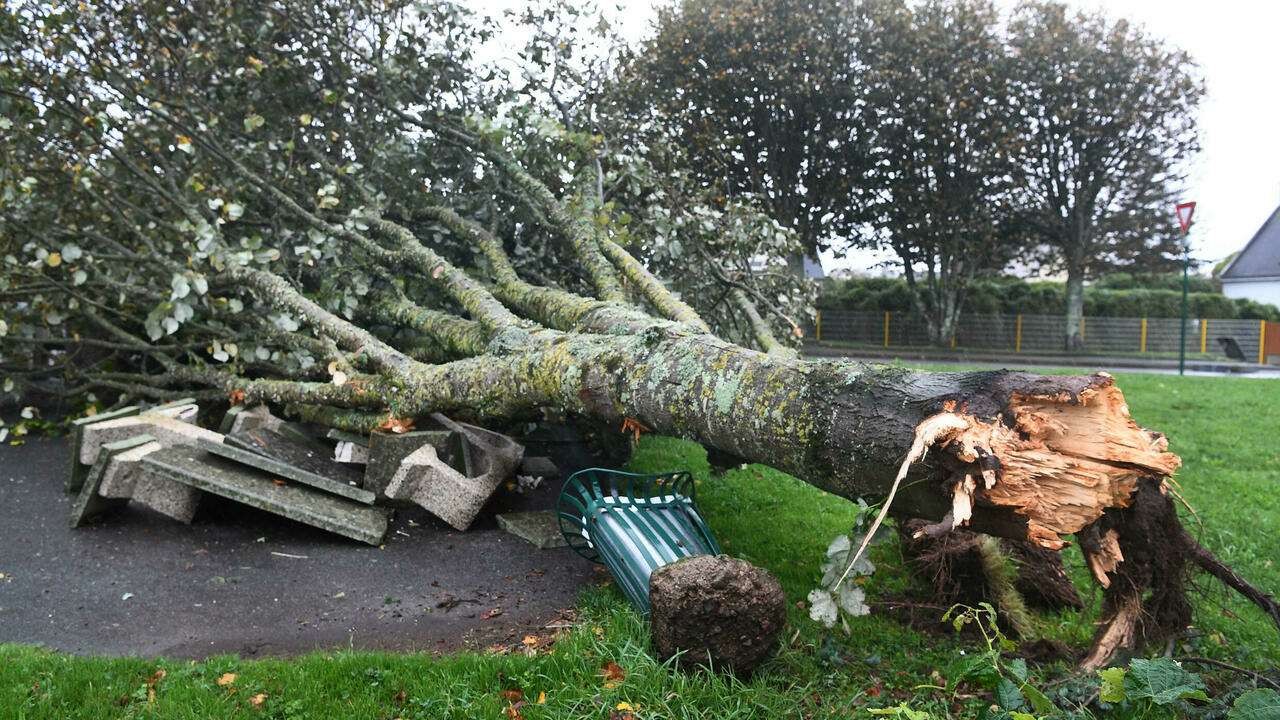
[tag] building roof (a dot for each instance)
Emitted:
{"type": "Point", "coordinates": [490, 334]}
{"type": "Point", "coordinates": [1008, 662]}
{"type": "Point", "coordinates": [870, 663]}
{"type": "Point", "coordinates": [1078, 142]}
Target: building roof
{"type": "Point", "coordinates": [1261, 257]}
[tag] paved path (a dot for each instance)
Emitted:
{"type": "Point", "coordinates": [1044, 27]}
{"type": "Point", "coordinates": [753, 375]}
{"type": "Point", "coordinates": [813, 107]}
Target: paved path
{"type": "Point", "coordinates": [227, 583]}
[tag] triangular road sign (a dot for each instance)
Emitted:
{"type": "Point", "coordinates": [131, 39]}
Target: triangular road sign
{"type": "Point", "coordinates": [1185, 211]}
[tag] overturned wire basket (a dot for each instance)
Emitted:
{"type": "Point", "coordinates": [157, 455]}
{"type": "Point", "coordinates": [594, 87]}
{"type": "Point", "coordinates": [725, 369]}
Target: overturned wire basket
{"type": "Point", "coordinates": [633, 524]}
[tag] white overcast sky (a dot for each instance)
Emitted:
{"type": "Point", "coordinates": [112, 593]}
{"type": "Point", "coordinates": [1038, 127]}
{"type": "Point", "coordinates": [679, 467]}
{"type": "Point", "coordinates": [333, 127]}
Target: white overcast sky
{"type": "Point", "coordinates": [1235, 180]}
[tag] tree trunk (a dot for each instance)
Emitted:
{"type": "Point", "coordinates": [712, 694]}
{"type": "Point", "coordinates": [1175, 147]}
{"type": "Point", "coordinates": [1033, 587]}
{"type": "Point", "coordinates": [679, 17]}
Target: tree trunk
{"type": "Point", "coordinates": [1075, 306]}
{"type": "Point", "coordinates": [1050, 454]}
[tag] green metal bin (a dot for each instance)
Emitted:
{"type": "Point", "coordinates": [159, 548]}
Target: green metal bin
{"type": "Point", "coordinates": [633, 524]}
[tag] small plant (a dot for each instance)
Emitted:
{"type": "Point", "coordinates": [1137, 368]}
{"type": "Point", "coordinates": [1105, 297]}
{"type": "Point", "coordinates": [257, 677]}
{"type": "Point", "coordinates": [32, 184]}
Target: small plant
{"type": "Point", "coordinates": [1006, 679]}
{"type": "Point", "coordinates": [838, 597]}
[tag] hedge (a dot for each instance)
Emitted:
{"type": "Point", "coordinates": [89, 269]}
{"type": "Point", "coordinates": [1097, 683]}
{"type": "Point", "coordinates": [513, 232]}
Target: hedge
{"type": "Point", "coordinates": [1118, 295]}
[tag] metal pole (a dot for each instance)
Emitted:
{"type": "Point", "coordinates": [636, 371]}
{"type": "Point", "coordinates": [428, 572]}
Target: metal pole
{"type": "Point", "coordinates": [1182, 342]}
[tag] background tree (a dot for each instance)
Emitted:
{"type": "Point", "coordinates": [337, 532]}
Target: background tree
{"type": "Point", "coordinates": [762, 96]}
{"type": "Point", "coordinates": [1109, 119]}
{"type": "Point", "coordinates": [724, 255]}
{"type": "Point", "coordinates": [938, 111]}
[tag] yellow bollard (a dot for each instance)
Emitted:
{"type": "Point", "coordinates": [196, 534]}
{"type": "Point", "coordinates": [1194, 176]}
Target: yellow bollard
{"type": "Point", "coordinates": [1204, 336]}
{"type": "Point", "coordinates": [1017, 334]}
{"type": "Point", "coordinates": [953, 341]}
{"type": "Point", "coordinates": [887, 314]}
{"type": "Point", "coordinates": [1142, 341]}
{"type": "Point", "coordinates": [1262, 342]}
{"type": "Point", "coordinates": [817, 330]}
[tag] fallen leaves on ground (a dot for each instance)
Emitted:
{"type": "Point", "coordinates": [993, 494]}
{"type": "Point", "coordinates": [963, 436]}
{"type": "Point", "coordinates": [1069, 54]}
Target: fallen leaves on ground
{"type": "Point", "coordinates": [226, 679]}
{"type": "Point", "coordinates": [513, 696]}
{"type": "Point", "coordinates": [152, 681]}
{"type": "Point", "coordinates": [613, 674]}
{"type": "Point", "coordinates": [257, 700]}
{"type": "Point", "coordinates": [490, 614]}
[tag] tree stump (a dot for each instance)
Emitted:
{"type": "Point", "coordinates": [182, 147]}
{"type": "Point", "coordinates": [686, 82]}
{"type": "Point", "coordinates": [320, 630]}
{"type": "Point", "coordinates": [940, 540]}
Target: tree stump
{"type": "Point", "coordinates": [717, 611]}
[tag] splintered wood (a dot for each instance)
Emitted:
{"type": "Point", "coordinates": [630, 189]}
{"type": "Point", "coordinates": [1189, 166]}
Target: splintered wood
{"type": "Point", "coordinates": [1062, 461]}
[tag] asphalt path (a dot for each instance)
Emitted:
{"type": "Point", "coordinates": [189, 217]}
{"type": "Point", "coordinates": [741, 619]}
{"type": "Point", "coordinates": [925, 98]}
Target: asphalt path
{"type": "Point", "coordinates": [243, 581]}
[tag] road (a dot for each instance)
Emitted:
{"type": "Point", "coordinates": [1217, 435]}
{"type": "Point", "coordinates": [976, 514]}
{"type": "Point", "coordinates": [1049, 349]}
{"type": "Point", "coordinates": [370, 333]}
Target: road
{"type": "Point", "coordinates": [242, 581]}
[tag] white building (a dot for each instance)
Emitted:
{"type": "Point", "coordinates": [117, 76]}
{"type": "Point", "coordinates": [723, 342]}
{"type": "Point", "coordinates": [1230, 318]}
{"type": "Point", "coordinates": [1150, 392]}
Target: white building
{"type": "Point", "coordinates": [1255, 272]}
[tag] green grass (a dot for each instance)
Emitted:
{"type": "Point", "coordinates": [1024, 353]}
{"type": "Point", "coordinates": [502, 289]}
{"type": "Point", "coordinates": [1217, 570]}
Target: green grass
{"type": "Point", "coordinates": [1223, 428]}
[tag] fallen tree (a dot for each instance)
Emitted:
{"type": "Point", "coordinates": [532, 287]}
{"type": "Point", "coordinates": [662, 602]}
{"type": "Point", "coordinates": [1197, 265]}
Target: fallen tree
{"type": "Point", "coordinates": [272, 206]}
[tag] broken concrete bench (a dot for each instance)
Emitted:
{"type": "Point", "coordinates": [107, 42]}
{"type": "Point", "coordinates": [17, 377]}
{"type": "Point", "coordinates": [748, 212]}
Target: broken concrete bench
{"type": "Point", "coordinates": [451, 476]}
{"type": "Point", "coordinates": [285, 470]}
{"type": "Point", "coordinates": [227, 478]}
{"type": "Point", "coordinates": [113, 458]}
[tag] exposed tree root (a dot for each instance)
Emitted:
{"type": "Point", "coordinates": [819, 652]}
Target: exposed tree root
{"type": "Point", "coordinates": [1146, 598]}
{"type": "Point", "coordinates": [1215, 567]}
{"type": "Point", "coordinates": [1042, 579]}
{"type": "Point", "coordinates": [1065, 463]}
{"type": "Point", "coordinates": [967, 567]}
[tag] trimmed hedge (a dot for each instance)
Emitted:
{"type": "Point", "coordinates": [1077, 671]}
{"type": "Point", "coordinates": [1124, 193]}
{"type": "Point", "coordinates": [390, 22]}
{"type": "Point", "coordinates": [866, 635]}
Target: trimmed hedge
{"type": "Point", "coordinates": [1117, 295]}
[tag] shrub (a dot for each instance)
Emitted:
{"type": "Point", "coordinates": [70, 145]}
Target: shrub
{"type": "Point", "coordinates": [1116, 295]}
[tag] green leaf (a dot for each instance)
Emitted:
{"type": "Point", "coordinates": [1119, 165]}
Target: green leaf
{"type": "Point", "coordinates": [1262, 704]}
{"type": "Point", "coordinates": [1039, 701]}
{"type": "Point", "coordinates": [253, 122]}
{"type": "Point", "coordinates": [1112, 685]}
{"type": "Point", "coordinates": [1008, 696]}
{"type": "Point", "coordinates": [1162, 681]}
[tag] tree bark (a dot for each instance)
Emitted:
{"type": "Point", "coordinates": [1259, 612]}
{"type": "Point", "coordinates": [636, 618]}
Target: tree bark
{"type": "Point", "coordinates": [1075, 306]}
{"type": "Point", "coordinates": [1051, 453]}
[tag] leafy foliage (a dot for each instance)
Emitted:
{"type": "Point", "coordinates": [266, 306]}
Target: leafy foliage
{"type": "Point", "coordinates": [762, 95]}
{"type": "Point", "coordinates": [1260, 704]}
{"type": "Point", "coordinates": [1110, 116]}
{"type": "Point", "coordinates": [939, 110]}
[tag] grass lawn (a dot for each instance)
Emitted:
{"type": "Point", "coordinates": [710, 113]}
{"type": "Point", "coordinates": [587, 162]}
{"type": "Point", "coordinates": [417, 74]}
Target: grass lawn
{"type": "Point", "coordinates": [1224, 428]}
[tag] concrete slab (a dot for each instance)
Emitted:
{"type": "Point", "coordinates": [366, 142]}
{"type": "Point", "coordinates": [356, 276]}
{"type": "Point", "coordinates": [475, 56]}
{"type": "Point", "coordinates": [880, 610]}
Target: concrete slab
{"type": "Point", "coordinates": [285, 470]}
{"type": "Point", "coordinates": [161, 493]}
{"type": "Point", "coordinates": [387, 450]}
{"type": "Point", "coordinates": [89, 503]}
{"type": "Point", "coordinates": [167, 431]}
{"type": "Point", "coordinates": [344, 436]}
{"type": "Point", "coordinates": [453, 496]}
{"type": "Point", "coordinates": [78, 469]}
{"type": "Point", "coordinates": [240, 418]}
{"type": "Point", "coordinates": [289, 447]}
{"type": "Point", "coordinates": [226, 478]}
{"type": "Point", "coordinates": [351, 453]}
{"type": "Point", "coordinates": [538, 528]}
{"type": "Point", "coordinates": [184, 409]}
{"type": "Point", "coordinates": [349, 447]}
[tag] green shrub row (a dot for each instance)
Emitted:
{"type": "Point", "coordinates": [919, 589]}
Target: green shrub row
{"type": "Point", "coordinates": [1118, 295]}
